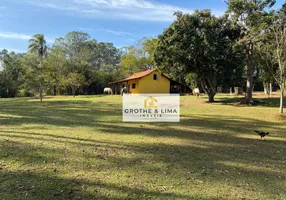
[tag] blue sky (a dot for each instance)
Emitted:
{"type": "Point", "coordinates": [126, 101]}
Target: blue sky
{"type": "Point", "coordinates": [121, 22]}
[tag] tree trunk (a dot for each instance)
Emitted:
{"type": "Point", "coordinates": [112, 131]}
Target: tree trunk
{"type": "Point", "coordinates": [265, 85]}
{"type": "Point", "coordinates": [211, 96]}
{"type": "Point", "coordinates": [250, 71]}
{"type": "Point", "coordinates": [209, 88]}
{"type": "Point", "coordinates": [41, 93]}
{"type": "Point", "coordinates": [281, 98]}
{"type": "Point", "coordinates": [55, 90]}
{"type": "Point", "coordinates": [270, 89]}
{"type": "Point", "coordinates": [73, 92]}
{"type": "Point", "coordinates": [41, 89]}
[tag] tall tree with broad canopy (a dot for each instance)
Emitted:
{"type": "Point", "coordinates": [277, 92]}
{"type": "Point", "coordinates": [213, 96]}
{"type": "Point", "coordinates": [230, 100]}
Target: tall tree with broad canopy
{"type": "Point", "coordinates": [88, 58]}
{"type": "Point", "coordinates": [203, 44]}
{"type": "Point", "coordinates": [272, 50]}
{"type": "Point", "coordinates": [249, 15]}
{"type": "Point", "coordinates": [12, 72]}
{"type": "Point", "coordinates": [37, 45]}
{"type": "Point", "coordinates": [56, 63]}
{"type": "Point", "coordinates": [36, 78]}
{"type": "Point", "coordinates": [279, 30]}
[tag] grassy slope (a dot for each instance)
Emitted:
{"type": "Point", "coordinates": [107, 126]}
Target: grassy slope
{"type": "Point", "coordinates": [66, 148]}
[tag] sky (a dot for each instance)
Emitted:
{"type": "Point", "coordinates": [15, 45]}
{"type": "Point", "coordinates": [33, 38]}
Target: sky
{"type": "Point", "coordinates": [121, 22]}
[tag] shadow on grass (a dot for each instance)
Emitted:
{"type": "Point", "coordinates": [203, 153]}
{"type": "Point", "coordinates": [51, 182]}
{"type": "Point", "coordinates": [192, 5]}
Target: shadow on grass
{"type": "Point", "coordinates": [31, 185]}
{"type": "Point", "coordinates": [42, 182]}
{"type": "Point", "coordinates": [214, 151]}
{"type": "Point", "coordinates": [92, 114]}
{"type": "Point", "coordinates": [265, 102]}
{"type": "Point", "coordinates": [204, 158]}
{"type": "Point", "coordinates": [59, 113]}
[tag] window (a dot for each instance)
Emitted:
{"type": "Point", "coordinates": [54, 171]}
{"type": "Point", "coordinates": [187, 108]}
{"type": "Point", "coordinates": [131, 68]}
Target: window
{"type": "Point", "coordinates": [133, 85]}
{"type": "Point", "coordinates": [155, 77]}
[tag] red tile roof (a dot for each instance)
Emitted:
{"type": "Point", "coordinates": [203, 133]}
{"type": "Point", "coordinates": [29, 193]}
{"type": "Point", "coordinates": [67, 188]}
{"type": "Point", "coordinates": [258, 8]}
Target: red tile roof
{"type": "Point", "coordinates": [140, 74]}
{"type": "Point", "coordinates": [136, 76]}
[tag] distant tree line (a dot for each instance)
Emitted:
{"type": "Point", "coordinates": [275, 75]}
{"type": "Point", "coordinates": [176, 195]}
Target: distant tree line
{"type": "Point", "coordinates": [246, 47]}
{"type": "Point", "coordinates": [74, 64]}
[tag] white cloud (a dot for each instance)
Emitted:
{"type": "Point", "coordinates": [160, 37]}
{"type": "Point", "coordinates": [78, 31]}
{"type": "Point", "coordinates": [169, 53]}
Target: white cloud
{"type": "Point", "coordinates": [115, 32]}
{"type": "Point", "coordinates": [86, 29]}
{"type": "Point", "coordinates": [13, 49]}
{"type": "Point", "coordinates": [14, 36]}
{"type": "Point", "coordinates": [120, 33]}
{"type": "Point", "coordinates": [20, 36]}
{"type": "Point", "coordinates": [140, 10]}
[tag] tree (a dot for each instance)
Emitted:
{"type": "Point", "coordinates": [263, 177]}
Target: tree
{"type": "Point", "coordinates": [249, 14]}
{"type": "Point", "coordinates": [12, 72]}
{"type": "Point", "coordinates": [88, 58]}
{"type": "Point", "coordinates": [37, 45]}
{"type": "Point", "coordinates": [202, 44]}
{"type": "Point", "coordinates": [266, 62]}
{"type": "Point", "coordinates": [139, 57]}
{"type": "Point", "coordinates": [279, 30]}
{"type": "Point", "coordinates": [129, 65]}
{"type": "Point", "coordinates": [276, 59]}
{"type": "Point", "coordinates": [35, 77]}
{"type": "Point", "coordinates": [74, 81]}
{"type": "Point", "coordinates": [147, 46]}
{"type": "Point", "coordinates": [192, 80]}
{"type": "Point", "coordinates": [56, 62]}
{"type": "Point", "coordinates": [3, 89]}
{"type": "Point", "coordinates": [103, 53]}
{"type": "Point", "coordinates": [271, 49]}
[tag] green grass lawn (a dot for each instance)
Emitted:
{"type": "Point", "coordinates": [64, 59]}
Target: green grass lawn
{"type": "Point", "coordinates": [78, 148]}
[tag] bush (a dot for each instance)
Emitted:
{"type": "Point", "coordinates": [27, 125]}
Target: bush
{"type": "Point", "coordinates": [3, 93]}
{"type": "Point", "coordinates": [25, 93]}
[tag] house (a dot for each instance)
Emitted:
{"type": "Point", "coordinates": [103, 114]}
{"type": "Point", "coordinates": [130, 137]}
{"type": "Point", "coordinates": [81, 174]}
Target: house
{"type": "Point", "coordinates": [150, 81]}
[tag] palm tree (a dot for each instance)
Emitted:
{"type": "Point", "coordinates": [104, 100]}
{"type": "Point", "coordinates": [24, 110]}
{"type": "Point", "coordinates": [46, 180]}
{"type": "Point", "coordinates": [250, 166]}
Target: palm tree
{"type": "Point", "coordinates": [38, 46]}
